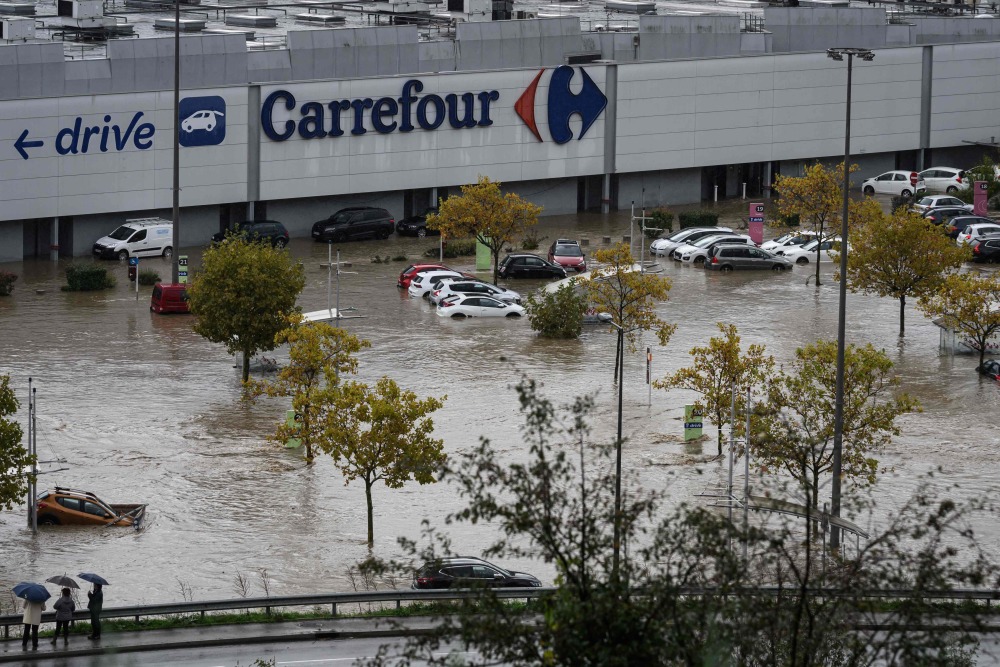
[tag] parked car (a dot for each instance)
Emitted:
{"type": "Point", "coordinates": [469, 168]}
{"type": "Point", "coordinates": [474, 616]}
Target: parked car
{"type": "Point", "coordinates": [416, 225]}
{"type": "Point", "coordinates": [421, 284]}
{"type": "Point", "coordinates": [975, 232]}
{"type": "Point", "coordinates": [406, 275]}
{"type": "Point", "coordinates": [663, 247]}
{"type": "Point", "coordinates": [957, 224]}
{"type": "Point", "coordinates": [804, 254]}
{"type": "Point", "coordinates": [446, 287]}
{"type": "Point", "coordinates": [470, 572]}
{"type": "Point", "coordinates": [925, 204]}
{"type": "Point", "coordinates": [169, 298]}
{"type": "Point", "coordinates": [525, 265]}
{"type": "Point", "coordinates": [141, 237]}
{"type": "Point", "coordinates": [697, 253]}
{"type": "Point", "coordinates": [990, 368]}
{"type": "Point", "coordinates": [357, 222]}
{"type": "Point", "coordinates": [942, 215]}
{"type": "Point", "coordinates": [944, 179]}
{"type": "Point", "coordinates": [568, 254]}
{"type": "Point", "coordinates": [987, 250]}
{"type": "Point", "coordinates": [730, 257]}
{"type": "Point", "coordinates": [475, 305]}
{"type": "Point", "coordinates": [70, 507]}
{"type": "Point", "coordinates": [789, 239]}
{"type": "Point", "coordinates": [894, 183]}
{"type": "Point", "coordinates": [271, 231]}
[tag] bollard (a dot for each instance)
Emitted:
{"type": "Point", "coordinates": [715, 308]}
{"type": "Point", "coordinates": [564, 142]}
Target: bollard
{"type": "Point", "coordinates": [626, 239]}
{"type": "Point", "coordinates": [716, 196]}
{"type": "Point", "coordinates": [333, 608]}
{"type": "Point", "coordinates": [605, 239]}
{"type": "Point", "coordinates": [744, 190]}
{"type": "Point", "coordinates": [584, 242]}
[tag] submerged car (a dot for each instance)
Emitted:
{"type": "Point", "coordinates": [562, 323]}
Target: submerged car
{"type": "Point", "coordinates": [789, 239]}
{"type": "Point", "coordinates": [804, 254]}
{"type": "Point", "coordinates": [526, 265]}
{"type": "Point", "coordinates": [991, 369]}
{"type": "Point", "coordinates": [446, 287]}
{"type": "Point", "coordinates": [470, 573]}
{"type": "Point", "coordinates": [738, 256]}
{"type": "Point", "coordinates": [72, 507]}
{"type": "Point", "coordinates": [407, 274]}
{"type": "Point", "coordinates": [475, 305]}
{"type": "Point", "coordinates": [568, 254]}
{"type": "Point", "coordinates": [416, 225]}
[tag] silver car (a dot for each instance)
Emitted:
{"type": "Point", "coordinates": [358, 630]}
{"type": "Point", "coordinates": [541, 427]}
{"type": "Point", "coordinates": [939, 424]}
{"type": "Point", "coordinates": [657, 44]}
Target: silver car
{"type": "Point", "coordinates": [729, 257]}
{"type": "Point", "coordinates": [446, 287]}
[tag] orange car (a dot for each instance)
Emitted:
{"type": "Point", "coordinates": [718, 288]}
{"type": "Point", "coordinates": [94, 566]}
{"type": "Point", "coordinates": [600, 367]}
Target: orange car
{"type": "Point", "coordinates": [71, 507]}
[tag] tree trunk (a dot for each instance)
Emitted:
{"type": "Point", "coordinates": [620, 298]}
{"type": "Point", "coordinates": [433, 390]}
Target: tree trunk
{"type": "Point", "coordinates": [371, 525]}
{"type": "Point", "coordinates": [818, 251]}
{"type": "Point", "coordinates": [246, 365]}
{"type": "Point", "coordinates": [496, 265]}
{"type": "Point", "coordinates": [618, 355]}
{"type": "Point", "coordinates": [718, 426]}
{"type": "Point", "coordinates": [902, 323]}
{"type": "Point", "coordinates": [982, 352]}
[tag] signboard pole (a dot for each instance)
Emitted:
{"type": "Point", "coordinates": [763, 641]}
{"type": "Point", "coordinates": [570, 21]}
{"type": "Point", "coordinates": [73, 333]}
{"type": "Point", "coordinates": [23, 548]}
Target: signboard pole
{"type": "Point", "coordinates": [182, 269]}
{"type": "Point", "coordinates": [755, 225]}
{"type": "Point", "coordinates": [649, 374]}
{"type": "Point", "coordinates": [176, 217]}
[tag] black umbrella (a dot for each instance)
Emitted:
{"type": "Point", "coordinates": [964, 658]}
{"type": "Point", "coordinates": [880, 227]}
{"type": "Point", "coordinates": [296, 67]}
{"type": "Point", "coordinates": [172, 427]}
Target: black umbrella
{"type": "Point", "coordinates": [63, 582]}
{"type": "Point", "coordinates": [94, 578]}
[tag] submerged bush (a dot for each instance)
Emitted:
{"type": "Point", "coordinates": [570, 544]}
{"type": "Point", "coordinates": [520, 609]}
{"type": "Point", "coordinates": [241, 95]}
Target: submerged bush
{"type": "Point", "coordinates": [148, 277]}
{"type": "Point", "coordinates": [454, 248]}
{"type": "Point", "coordinates": [7, 280]}
{"type": "Point", "coordinates": [88, 278]}
{"type": "Point", "coordinates": [557, 314]}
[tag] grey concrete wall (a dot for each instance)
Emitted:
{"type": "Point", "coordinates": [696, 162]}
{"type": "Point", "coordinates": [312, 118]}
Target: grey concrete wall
{"type": "Point", "coordinates": [659, 188]}
{"type": "Point", "coordinates": [869, 165]}
{"type": "Point", "coordinates": [298, 215]}
{"type": "Point", "coordinates": [813, 29]}
{"type": "Point", "coordinates": [348, 53]}
{"type": "Point", "coordinates": [503, 44]}
{"type": "Point", "coordinates": [960, 157]}
{"type": "Point", "coordinates": [556, 196]}
{"type": "Point", "coordinates": [11, 241]}
{"type": "Point", "coordinates": [670, 37]}
{"type": "Point", "coordinates": [938, 30]}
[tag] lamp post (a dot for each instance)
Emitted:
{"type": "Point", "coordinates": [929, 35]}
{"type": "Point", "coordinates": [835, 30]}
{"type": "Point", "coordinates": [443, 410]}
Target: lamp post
{"type": "Point", "coordinates": [620, 363]}
{"type": "Point", "coordinates": [176, 219]}
{"type": "Point", "coordinates": [838, 411]}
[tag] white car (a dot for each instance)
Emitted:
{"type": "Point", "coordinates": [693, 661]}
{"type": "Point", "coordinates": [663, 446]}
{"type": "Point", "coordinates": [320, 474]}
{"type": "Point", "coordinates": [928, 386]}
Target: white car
{"type": "Point", "coordinates": [944, 179]}
{"type": "Point", "coordinates": [974, 233]}
{"type": "Point", "coordinates": [665, 246]}
{"type": "Point", "coordinates": [787, 240]}
{"type": "Point", "coordinates": [474, 305]}
{"type": "Point", "coordinates": [697, 252]}
{"type": "Point", "coordinates": [925, 204]}
{"type": "Point", "coordinates": [806, 253]}
{"type": "Point", "coordinates": [448, 287]}
{"type": "Point", "coordinates": [200, 120]}
{"type": "Point", "coordinates": [421, 283]}
{"type": "Point", "coordinates": [897, 183]}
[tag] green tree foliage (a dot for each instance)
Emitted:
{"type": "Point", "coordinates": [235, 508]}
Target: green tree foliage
{"type": "Point", "coordinates": [383, 433]}
{"type": "Point", "coordinates": [900, 255]}
{"type": "Point", "coordinates": [557, 314]}
{"type": "Point", "coordinates": [968, 303]}
{"type": "Point", "coordinates": [717, 370]}
{"type": "Point", "coordinates": [795, 428]}
{"type": "Point", "coordinates": [319, 355]}
{"type": "Point", "coordinates": [88, 278]}
{"type": "Point", "coordinates": [243, 295]}
{"type": "Point", "coordinates": [495, 219]}
{"type": "Point", "coordinates": [13, 456]}
{"type": "Point", "coordinates": [553, 504]}
{"type": "Point", "coordinates": [989, 171]}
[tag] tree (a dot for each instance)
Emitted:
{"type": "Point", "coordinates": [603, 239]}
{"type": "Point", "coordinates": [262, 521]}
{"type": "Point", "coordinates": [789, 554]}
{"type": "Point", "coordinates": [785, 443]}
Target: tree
{"type": "Point", "coordinates": [495, 219]}
{"type": "Point", "coordinates": [795, 427]}
{"type": "Point", "coordinates": [718, 370]}
{"type": "Point", "coordinates": [968, 303]}
{"type": "Point", "coordinates": [14, 458]}
{"type": "Point", "coordinates": [557, 314]}
{"type": "Point", "coordinates": [816, 198]}
{"type": "Point", "coordinates": [383, 434]}
{"type": "Point", "coordinates": [900, 255]}
{"type": "Point", "coordinates": [319, 355]}
{"type": "Point", "coordinates": [989, 171]}
{"type": "Point", "coordinates": [243, 296]}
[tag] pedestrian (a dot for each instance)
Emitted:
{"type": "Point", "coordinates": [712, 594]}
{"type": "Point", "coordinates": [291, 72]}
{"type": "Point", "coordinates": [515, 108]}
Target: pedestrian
{"type": "Point", "coordinates": [94, 603]}
{"type": "Point", "coordinates": [32, 619]}
{"type": "Point", "coordinates": [64, 607]}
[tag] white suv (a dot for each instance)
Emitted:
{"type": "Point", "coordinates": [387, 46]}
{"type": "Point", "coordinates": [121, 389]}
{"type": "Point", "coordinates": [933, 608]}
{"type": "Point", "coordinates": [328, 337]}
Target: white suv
{"type": "Point", "coordinates": [944, 179]}
{"type": "Point", "coordinates": [897, 183]}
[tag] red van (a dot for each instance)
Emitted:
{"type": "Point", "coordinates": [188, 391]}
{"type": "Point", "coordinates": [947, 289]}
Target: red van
{"type": "Point", "coordinates": [169, 298]}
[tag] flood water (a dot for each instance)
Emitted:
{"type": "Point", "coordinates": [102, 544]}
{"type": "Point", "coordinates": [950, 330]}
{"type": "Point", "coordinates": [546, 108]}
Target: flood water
{"type": "Point", "coordinates": [143, 410]}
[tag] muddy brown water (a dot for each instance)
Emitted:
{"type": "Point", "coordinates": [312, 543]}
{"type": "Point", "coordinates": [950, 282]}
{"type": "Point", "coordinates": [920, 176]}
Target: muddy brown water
{"type": "Point", "coordinates": [144, 410]}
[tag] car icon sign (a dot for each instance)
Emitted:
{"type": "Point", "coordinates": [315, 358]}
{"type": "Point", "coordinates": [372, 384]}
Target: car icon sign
{"type": "Point", "coordinates": [200, 120]}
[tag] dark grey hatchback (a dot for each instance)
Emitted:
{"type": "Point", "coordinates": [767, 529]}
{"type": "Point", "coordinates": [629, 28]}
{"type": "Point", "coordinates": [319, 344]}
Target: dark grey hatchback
{"type": "Point", "coordinates": [470, 573]}
{"type": "Point", "coordinates": [727, 257]}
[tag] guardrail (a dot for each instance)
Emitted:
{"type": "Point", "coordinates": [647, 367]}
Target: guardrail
{"type": "Point", "coordinates": [399, 596]}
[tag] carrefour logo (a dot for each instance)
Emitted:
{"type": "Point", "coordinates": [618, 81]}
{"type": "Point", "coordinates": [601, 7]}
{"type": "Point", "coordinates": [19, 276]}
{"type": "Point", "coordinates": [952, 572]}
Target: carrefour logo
{"type": "Point", "coordinates": [563, 104]}
{"type": "Point", "coordinates": [202, 121]}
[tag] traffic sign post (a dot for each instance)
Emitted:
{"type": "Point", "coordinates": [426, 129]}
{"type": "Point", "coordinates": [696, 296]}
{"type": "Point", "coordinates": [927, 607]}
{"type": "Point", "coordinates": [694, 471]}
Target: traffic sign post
{"type": "Point", "coordinates": [182, 269]}
{"type": "Point", "coordinates": [133, 274]}
{"type": "Point", "coordinates": [979, 191]}
{"type": "Point", "coordinates": [756, 222]}
{"type": "Point", "coordinates": [692, 423]}
{"type": "Point", "coordinates": [649, 374]}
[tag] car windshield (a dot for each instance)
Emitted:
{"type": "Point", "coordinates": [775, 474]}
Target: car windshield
{"type": "Point", "coordinates": [122, 233]}
{"type": "Point", "coordinates": [568, 251]}
{"type": "Point", "coordinates": [926, 201]}
{"type": "Point", "coordinates": [811, 245]}
{"type": "Point", "coordinates": [708, 240]}
{"type": "Point", "coordinates": [785, 237]}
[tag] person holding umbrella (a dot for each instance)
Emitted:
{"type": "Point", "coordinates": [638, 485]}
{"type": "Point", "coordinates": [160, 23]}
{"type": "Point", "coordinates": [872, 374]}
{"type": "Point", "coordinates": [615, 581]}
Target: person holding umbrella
{"type": "Point", "coordinates": [34, 596]}
{"type": "Point", "coordinates": [95, 601]}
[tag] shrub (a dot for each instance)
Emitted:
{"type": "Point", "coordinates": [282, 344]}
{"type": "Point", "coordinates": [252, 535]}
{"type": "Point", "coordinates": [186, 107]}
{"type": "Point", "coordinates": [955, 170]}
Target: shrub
{"type": "Point", "coordinates": [380, 260]}
{"type": "Point", "coordinates": [790, 220]}
{"type": "Point", "coordinates": [148, 277]}
{"type": "Point", "coordinates": [454, 248]}
{"type": "Point", "coordinates": [531, 240]}
{"type": "Point", "coordinates": [556, 314]}
{"type": "Point", "coordinates": [399, 258]}
{"type": "Point", "coordinates": [88, 278]}
{"type": "Point", "coordinates": [663, 220]}
{"type": "Point", "coordinates": [7, 283]}
{"type": "Point", "coordinates": [698, 219]}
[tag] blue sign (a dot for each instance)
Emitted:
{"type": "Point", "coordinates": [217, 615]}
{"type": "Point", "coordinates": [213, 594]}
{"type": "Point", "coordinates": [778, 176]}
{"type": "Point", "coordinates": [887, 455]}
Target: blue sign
{"type": "Point", "coordinates": [589, 103]}
{"type": "Point", "coordinates": [202, 121]}
{"type": "Point", "coordinates": [133, 261]}
{"type": "Point", "coordinates": [112, 134]}
{"type": "Point", "coordinates": [755, 218]}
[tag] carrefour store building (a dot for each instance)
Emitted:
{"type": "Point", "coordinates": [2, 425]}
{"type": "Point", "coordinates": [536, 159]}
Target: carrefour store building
{"type": "Point", "coordinates": [572, 120]}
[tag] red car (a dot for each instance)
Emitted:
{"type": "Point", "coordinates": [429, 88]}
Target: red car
{"type": "Point", "coordinates": [568, 254]}
{"type": "Point", "coordinates": [169, 298]}
{"type": "Point", "coordinates": [407, 275]}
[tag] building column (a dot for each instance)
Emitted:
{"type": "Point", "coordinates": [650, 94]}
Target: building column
{"type": "Point", "coordinates": [926, 81]}
{"type": "Point", "coordinates": [610, 133]}
{"type": "Point", "coordinates": [54, 240]}
{"type": "Point", "coordinates": [253, 151]}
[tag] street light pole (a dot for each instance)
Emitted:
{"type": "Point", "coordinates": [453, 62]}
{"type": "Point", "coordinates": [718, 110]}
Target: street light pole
{"type": "Point", "coordinates": [174, 269]}
{"type": "Point", "coordinates": [838, 410]}
{"type": "Point", "coordinates": [618, 456]}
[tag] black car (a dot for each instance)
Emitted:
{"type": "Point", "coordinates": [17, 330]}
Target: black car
{"type": "Point", "coordinates": [944, 214]}
{"type": "Point", "coordinates": [525, 265]}
{"type": "Point", "coordinates": [357, 222]}
{"type": "Point", "coordinates": [271, 231]}
{"type": "Point", "coordinates": [416, 225]}
{"type": "Point", "coordinates": [958, 224]}
{"type": "Point", "coordinates": [987, 249]}
{"type": "Point", "coordinates": [470, 573]}
{"type": "Point", "coordinates": [990, 368]}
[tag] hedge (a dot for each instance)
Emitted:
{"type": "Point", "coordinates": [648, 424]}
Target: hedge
{"type": "Point", "coordinates": [7, 283]}
{"type": "Point", "coordinates": [698, 219]}
{"type": "Point", "coordinates": [88, 278]}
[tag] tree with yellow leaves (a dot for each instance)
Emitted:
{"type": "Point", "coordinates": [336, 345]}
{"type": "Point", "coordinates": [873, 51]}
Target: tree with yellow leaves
{"type": "Point", "coordinates": [968, 303]}
{"type": "Point", "coordinates": [319, 355]}
{"type": "Point", "coordinates": [900, 255]}
{"type": "Point", "coordinates": [816, 198]}
{"type": "Point", "coordinates": [495, 219]}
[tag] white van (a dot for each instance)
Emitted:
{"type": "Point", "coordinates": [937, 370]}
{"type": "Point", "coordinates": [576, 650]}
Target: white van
{"type": "Point", "coordinates": [143, 237]}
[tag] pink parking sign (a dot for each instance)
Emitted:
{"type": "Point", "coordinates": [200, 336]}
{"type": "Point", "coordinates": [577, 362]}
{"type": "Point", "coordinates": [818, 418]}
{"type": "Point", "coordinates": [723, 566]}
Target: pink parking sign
{"type": "Point", "coordinates": [979, 191]}
{"type": "Point", "coordinates": [755, 215]}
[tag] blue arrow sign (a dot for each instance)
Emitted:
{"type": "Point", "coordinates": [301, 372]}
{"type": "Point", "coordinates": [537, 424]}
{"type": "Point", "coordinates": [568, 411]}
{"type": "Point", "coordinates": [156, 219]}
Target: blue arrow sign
{"type": "Point", "coordinates": [21, 144]}
{"type": "Point", "coordinates": [756, 219]}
